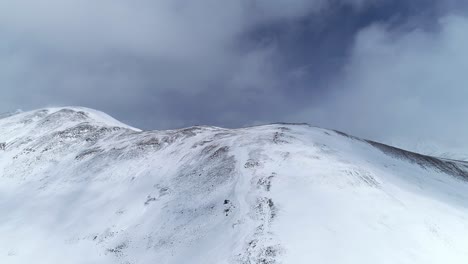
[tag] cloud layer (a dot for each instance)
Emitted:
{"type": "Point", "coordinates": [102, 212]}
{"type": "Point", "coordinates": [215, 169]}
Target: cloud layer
{"type": "Point", "coordinates": [407, 88]}
{"type": "Point", "coordinates": [386, 70]}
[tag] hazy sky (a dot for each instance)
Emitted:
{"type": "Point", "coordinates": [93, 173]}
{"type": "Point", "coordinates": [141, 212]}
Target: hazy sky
{"type": "Point", "coordinates": [394, 71]}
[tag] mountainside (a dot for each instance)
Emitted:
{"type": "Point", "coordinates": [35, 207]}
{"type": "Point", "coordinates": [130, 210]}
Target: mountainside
{"type": "Point", "coordinates": [77, 186]}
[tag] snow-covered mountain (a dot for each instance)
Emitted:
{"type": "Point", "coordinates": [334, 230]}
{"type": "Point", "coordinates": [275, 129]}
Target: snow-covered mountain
{"type": "Point", "coordinates": [77, 186]}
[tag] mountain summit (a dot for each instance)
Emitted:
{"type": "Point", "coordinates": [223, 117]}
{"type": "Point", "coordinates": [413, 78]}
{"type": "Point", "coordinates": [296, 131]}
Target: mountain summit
{"type": "Point", "coordinates": [77, 186]}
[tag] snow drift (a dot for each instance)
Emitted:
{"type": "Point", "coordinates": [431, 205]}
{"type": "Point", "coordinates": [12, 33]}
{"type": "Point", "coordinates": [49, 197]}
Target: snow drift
{"type": "Point", "coordinates": [77, 186]}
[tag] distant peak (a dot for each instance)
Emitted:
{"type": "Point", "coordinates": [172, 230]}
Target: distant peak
{"type": "Point", "coordinates": [67, 114]}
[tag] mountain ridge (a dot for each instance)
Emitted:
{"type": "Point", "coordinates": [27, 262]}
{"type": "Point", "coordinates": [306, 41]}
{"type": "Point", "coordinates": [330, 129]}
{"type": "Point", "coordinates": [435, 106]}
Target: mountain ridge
{"type": "Point", "coordinates": [80, 187]}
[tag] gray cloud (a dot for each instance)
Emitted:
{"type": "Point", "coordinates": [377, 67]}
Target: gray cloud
{"type": "Point", "coordinates": [375, 68]}
{"type": "Point", "coordinates": [122, 56]}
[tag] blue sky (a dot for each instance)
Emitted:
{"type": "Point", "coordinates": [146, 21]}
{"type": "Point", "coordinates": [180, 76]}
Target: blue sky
{"type": "Point", "coordinates": [392, 71]}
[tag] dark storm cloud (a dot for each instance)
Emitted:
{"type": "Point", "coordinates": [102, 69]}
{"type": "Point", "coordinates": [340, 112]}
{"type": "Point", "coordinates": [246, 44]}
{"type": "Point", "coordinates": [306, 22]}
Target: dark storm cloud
{"type": "Point", "coordinates": [173, 63]}
{"type": "Point", "coordinates": [139, 61]}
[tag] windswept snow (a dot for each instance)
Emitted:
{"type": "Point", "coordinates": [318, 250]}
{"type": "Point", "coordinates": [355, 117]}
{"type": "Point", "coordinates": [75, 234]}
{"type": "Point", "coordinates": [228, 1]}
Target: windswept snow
{"type": "Point", "coordinates": [77, 186]}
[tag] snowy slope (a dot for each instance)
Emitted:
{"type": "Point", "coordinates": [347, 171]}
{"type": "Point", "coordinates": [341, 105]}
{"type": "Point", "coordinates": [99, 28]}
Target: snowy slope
{"type": "Point", "coordinates": [77, 186]}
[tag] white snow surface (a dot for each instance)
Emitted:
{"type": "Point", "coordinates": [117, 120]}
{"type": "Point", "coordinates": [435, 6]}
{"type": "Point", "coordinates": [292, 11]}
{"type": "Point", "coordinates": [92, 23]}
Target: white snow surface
{"type": "Point", "coordinates": [77, 186]}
